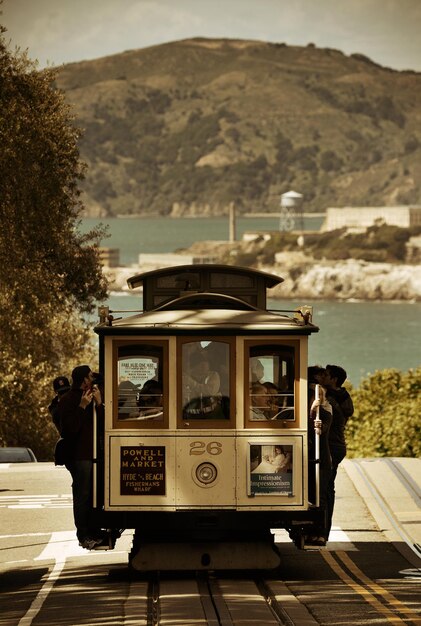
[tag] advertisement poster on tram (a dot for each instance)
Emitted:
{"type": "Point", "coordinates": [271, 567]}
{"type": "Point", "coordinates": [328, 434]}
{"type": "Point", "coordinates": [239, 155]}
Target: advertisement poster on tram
{"type": "Point", "coordinates": [271, 469]}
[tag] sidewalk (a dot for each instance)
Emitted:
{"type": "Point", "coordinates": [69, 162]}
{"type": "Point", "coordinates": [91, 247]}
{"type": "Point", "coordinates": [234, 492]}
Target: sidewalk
{"type": "Point", "coordinates": [391, 490]}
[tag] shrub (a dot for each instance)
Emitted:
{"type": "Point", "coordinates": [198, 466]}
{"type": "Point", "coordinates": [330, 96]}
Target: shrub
{"type": "Point", "coordinates": [387, 418]}
{"type": "Point", "coordinates": [411, 145]}
{"type": "Point", "coordinates": [330, 162]}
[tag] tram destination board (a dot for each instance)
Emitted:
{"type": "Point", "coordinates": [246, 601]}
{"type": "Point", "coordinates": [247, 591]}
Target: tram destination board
{"type": "Point", "coordinates": [142, 470]}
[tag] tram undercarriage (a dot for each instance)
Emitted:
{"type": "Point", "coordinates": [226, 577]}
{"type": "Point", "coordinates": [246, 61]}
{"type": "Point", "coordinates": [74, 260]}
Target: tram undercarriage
{"type": "Point", "coordinates": [210, 540]}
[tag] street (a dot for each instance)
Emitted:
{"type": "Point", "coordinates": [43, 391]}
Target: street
{"type": "Point", "coordinates": [367, 574]}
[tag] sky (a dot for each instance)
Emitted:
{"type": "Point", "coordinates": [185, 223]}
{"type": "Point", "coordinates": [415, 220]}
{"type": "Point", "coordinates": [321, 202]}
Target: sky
{"type": "Point", "coordinates": [64, 31]}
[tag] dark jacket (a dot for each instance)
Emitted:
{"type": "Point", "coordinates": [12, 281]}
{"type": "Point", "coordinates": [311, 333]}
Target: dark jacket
{"type": "Point", "coordinates": [53, 411]}
{"type": "Point", "coordinates": [76, 424]}
{"type": "Point", "coordinates": [343, 408]}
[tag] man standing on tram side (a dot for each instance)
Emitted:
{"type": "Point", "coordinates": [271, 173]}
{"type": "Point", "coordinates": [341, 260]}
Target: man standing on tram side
{"type": "Point", "coordinates": [75, 416]}
{"type": "Point", "coordinates": [332, 379]}
{"type": "Point", "coordinates": [61, 385]}
{"type": "Point", "coordinates": [319, 532]}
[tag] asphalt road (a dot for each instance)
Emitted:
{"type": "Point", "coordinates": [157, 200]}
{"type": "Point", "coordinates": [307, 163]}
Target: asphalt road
{"type": "Point", "coordinates": [369, 574]}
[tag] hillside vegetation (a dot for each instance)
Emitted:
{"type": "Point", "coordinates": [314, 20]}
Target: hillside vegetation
{"type": "Point", "coordinates": [190, 126]}
{"type": "Point", "coordinates": [380, 243]}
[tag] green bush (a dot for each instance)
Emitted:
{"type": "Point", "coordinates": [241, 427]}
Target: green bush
{"type": "Point", "coordinates": [387, 417]}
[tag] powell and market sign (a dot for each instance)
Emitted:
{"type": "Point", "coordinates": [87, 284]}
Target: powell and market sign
{"type": "Point", "coordinates": [142, 470]}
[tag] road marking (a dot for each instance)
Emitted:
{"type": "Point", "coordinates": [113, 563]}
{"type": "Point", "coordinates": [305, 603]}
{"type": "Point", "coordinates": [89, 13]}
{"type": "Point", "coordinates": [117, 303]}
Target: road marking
{"type": "Point", "coordinates": [64, 545]}
{"type": "Point", "coordinates": [60, 547]}
{"type": "Point", "coordinates": [390, 598]}
{"type": "Point", "coordinates": [42, 595]}
{"type": "Point", "coordinates": [24, 535]}
{"type": "Point", "coordinates": [362, 591]}
{"type": "Point", "coordinates": [49, 501]}
{"type": "Point", "coordinates": [60, 543]}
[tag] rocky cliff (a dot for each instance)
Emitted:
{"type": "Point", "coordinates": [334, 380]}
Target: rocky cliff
{"type": "Point", "coordinates": [344, 280]}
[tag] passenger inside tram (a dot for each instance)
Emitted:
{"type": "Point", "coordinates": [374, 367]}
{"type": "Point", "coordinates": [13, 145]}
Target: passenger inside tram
{"type": "Point", "coordinates": [202, 396]}
{"type": "Point", "coordinates": [150, 401]}
{"type": "Point", "coordinates": [275, 371]}
{"type": "Point", "coordinates": [257, 370]}
{"type": "Point", "coordinates": [273, 400]}
{"type": "Point", "coordinates": [259, 402]}
{"type": "Point", "coordinates": [217, 354]}
{"type": "Point", "coordinates": [278, 402]}
{"type": "Point", "coordinates": [127, 393]}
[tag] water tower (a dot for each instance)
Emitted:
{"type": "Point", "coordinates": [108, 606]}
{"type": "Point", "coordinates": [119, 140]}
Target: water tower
{"type": "Point", "coordinates": [291, 215]}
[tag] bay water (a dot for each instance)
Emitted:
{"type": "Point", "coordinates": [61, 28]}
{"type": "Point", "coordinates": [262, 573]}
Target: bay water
{"type": "Point", "coordinates": [133, 236]}
{"type": "Point", "coordinates": [361, 336]}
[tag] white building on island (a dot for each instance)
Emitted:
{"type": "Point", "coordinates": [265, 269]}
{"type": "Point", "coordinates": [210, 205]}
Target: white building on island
{"type": "Point", "coordinates": [365, 216]}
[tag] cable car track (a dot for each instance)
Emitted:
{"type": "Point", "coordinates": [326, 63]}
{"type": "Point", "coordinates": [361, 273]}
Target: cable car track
{"type": "Point", "coordinates": [211, 600]}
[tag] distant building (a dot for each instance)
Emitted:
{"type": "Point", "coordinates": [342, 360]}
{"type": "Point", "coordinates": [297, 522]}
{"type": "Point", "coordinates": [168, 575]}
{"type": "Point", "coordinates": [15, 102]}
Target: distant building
{"type": "Point", "coordinates": [363, 217]}
{"type": "Point", "coordinates": [161, 259]}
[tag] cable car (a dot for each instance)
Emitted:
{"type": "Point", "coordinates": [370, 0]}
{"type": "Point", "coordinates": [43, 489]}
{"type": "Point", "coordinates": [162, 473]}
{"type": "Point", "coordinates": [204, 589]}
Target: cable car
{"type": "Point", "coordinates": [205, 445]}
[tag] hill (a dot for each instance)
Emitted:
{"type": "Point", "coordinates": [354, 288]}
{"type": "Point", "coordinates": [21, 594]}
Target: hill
{"type": "Point", "coordinates": [190, 126]}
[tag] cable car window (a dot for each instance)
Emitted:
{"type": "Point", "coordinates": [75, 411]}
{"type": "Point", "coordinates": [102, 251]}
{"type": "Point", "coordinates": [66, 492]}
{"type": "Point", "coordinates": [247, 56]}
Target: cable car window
{"type": "Point", "coordinates": [140, 383]}
{"type": "Point", "coordinates": [271, 375]}
{"type": "Point", "coordinates": [226, 282]}
{"type": "Point", "coordinates": [178, 281]}
{"type": "Point", "coordinates": [205, 380]}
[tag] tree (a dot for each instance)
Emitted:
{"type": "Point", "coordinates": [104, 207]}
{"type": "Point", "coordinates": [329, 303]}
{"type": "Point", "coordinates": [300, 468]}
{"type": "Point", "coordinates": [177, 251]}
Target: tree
{"type": "Point", "coordinates": [387, 418]}
{"type": "Point", "coordinates": [50, 274]}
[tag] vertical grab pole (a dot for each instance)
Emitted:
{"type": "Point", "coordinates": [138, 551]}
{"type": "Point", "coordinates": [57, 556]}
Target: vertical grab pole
{"type": "Point", "coordinates": [94, 456]}
{"type": "Point", "coordinates": [317, 433]}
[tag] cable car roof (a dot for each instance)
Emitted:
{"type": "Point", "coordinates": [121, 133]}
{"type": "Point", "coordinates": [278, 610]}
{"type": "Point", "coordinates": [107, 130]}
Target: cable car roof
{"type": "Point", "coordinates": [219, 313]}
{"type": "Point", "coordinates": [167, 284]}
{"type": "Point", "coordinates": [270, 279]}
